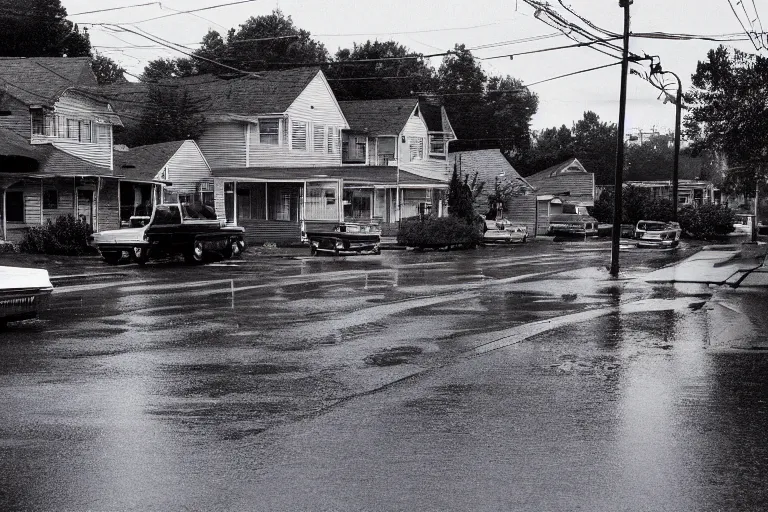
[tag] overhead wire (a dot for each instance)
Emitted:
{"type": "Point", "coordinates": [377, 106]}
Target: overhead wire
{"type": "Point", "coordinates": [115, 8]}
{"type": "Point", "coordinates": [191, 11]}
{"type": "Point", "coordinates": [747, 32]}
{"type": "Point", "coordinates": [540, 50]}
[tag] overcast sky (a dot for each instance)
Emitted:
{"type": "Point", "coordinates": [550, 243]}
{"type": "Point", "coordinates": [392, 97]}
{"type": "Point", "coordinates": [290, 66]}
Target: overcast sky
{"type": "Point", "coordinates": [429, 27]}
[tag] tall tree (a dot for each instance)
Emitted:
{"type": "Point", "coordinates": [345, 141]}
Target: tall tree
{"type": "Point", "coordinates": [171, 114]}
{"type": "Point", "coordinates": [509, 114]}
{"type": "Point", "coordinates": [413, 74]}
{"type": "Point", "coordinates": [106, 70]}
{"type": "Point", "coordinates": [39, 28]}
{"type": "Point", "coordinates": [160, 69]}
{"type": "Point", "coordinates": [728, 114]}
{"type": "Point", "coordinates": [594, 144]}
{"type": "Point", "coordinates": [549, 146]}
{"type": "Point", "coordinates": [461, 81]}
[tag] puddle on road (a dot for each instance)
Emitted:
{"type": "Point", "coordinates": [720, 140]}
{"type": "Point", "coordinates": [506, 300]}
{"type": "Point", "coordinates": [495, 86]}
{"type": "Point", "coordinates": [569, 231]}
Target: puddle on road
{"type": "Point", "coordinates": [393, 356]}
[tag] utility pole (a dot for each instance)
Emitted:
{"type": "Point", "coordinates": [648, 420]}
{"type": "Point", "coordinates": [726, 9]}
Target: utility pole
{"type": "Point", "coordinates": [656, 69]}
{"type": "Point", "coordinates": [617, 207]}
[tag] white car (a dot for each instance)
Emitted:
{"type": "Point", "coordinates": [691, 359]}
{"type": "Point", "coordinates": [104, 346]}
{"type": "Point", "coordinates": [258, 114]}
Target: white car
{"type": "Point", "coordinates": [653, 233]}
{"type": "Point", "coordinates": [503, 231]}
{"type": "Point", "coordinates": [24, 292]}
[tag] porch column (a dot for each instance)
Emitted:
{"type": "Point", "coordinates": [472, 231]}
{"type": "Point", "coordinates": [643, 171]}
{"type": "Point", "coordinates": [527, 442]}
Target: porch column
{"type": "Point", "coordinates": [340, 201]}
{"type": "Point", "coordinates": [304, 204]}
{"type": "Point", "coordinates": [74, 196]}
{"type": "Point", "coordinates": [266, 200]}
{"type": "Point", "coordinates": [5, 225]}
{"type": "Point", "coordinates": [119, 205]}
{"type": "Point", "coordinates": [439, 203]}
{"type": "Point", "coordinates": [373, 202]}
{"type": "Point", "coordinates": [96, 209]}
{"type": "Point", "coordinates": [41, 201]}
{"type": "Point", "coordinates": [234, 202]}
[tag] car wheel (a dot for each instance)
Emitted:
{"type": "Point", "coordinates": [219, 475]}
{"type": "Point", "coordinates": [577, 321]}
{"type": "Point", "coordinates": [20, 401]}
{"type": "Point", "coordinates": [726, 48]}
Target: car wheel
{"type": "Point", "coordinates": [140, 255]}
{"type": "Point", "coordinates": [112, 257]}
{"type": "Point", "coordinates": [525, 238]}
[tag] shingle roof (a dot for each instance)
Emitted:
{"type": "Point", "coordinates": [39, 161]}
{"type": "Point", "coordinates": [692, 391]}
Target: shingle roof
{"type": "Point", "coordinates": [378, 117]}
{"type": "Point", "coordinates": [369, 175]}
{"type": "Point", "coordinates": [433, 116]}
{"type": "Point", "coordinates": [489, 164]}
{"type": "Point", "coordinates": [51, 160]}
{"type": "Point", "coordinates": [40, 80]}
{"type": "Point", "coordinates": [559, 169]}
{"type": "Point", "coordinates": [268, 92]}
{"type": "Point", "coordinates": [144, 162]}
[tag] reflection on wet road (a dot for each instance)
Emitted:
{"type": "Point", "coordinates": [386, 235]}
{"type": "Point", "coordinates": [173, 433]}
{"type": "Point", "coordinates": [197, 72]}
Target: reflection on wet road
{"type": "Point", "coordinates": [504, 378]}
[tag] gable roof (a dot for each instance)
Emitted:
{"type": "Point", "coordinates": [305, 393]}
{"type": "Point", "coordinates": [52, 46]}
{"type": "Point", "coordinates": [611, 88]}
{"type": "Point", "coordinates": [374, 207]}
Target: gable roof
{"type": "Point", "coordinates": [489, 164]}
{"type": "Point", "coordinates": [378, 117]}
{"type": "Point", "coordinates": [40, 80]}
{"type": "Point", "coordinates": [144, 162]}
{"type": "Point", "coordinates": [571, 166]}
{"type": "Point", "coordinates": [268, 92]}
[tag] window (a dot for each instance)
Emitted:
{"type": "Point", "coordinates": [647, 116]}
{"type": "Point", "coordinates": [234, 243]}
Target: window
{"type": "Point", "coordinates": [353, 149]}
{"type": "Point", "coordinates": [386, 150]}
{"type": "Point", "coordinates": [38, 122]}
{"type": "Point", "coordinates": [167, 214]}
{"type": "Point", "coordinates": [85, 131]}
{"type": "Point", "coordinates": [73, 131]}
{"type": "Point", "coordinates": [50, 200]}
{"type": "Point", "coordinates": [318, 138]}
{"type": "Point", "coordinates": [102, 134]}
{"type": "Point", "coordinates": [14, 208]}
{"type": "Point", "coordinates": [269, 131]}
{"type": "Point", "coordinates": [415, 148]}
{"type": "Point", "coordinates": [299, 135]}
{"type": "Point", "coordinates": [333, 140]}
{"type": "Point", "coordinates": [437, 145]}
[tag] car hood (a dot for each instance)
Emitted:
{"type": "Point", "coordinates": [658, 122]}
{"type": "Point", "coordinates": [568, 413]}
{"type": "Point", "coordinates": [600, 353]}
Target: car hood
{"type": "Point", "coordinates": [120, 235]}
{"type": "Point", "coordinates": [15, 278]}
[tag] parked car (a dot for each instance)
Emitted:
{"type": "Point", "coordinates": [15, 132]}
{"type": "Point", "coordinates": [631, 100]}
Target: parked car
{"type": "Point", "coordinates": [24, 292]}
{"type": "Point", "coordinates": [190, 229]}
{"type": "Point", "coordinates": [344, 238]}
{"type": "Point", "coordinates": [652, 233]}
{"type": "Point", "coordinates": [504, 231]}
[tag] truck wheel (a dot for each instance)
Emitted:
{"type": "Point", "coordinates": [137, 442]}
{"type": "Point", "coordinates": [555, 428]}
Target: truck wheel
{"type": "Point", "coordinates": [112, 257]}
{"type": "Point", "coordinates": [312, 250]}
{"type": "Point", "coordinates": [232, 249]}
{"type": "Point", "coordinates": [140, 255]}
{"type": "Point", "coordinates": [196, 254]}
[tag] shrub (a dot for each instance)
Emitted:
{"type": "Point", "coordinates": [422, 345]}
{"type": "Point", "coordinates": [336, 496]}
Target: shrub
{"type": "Point", "coordinates": [437, 232]}
{"type": "Point", "coordinates": [66, 235]}
{"type": "Point", "coordinates": [706, 221]}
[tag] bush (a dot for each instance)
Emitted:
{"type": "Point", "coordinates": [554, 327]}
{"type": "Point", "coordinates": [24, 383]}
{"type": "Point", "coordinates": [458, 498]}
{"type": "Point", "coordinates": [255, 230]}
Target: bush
{"type": "Point", "coordinates": [67, 236]}
{"type": "Point", "coordinates": [434, 232]}
{"type": "Point", "coordinates": [706, 221]}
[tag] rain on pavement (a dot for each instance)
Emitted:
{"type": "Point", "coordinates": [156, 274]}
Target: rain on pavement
{"type": "Point", "coordinates": [505, 378]}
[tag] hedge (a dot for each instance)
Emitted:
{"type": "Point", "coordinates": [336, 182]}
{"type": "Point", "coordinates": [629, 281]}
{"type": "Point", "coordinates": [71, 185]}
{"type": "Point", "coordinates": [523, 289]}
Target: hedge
{"type": "Point", "coordinates": [66, 236]}
{"type": "Point", "coordinates": [438, 232]}
{"type": "Point", "coordinates": [706, 221]}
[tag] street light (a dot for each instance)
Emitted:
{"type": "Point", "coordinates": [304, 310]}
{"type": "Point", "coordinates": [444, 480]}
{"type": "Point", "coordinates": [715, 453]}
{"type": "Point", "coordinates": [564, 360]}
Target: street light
{"type": "Point", "coordinates": [656, 70]}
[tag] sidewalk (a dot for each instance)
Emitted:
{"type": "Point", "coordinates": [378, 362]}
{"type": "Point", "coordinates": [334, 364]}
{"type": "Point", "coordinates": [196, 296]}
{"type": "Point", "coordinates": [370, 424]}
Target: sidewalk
{"type": "Point", "coordinates": [736, 265]}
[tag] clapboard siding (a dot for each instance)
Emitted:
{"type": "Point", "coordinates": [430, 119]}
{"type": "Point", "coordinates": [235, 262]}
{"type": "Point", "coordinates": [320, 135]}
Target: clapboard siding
{"type": "Point", "coordinates": [66, 198]}
{"type": "Point", "coordinates": [223, 144]}
{"type": "Point", "coordinates": [522, 210]}
{"type": "Point", "coordinates": [266, 155]}
{"type": "Point", "coordinates": [427, 167]}
{"type": "Point", "coordinates": [186, 168]}
{"type": "Point", "coordinates": [580, 187]}
{"type": "Point", "coordinates": [108, 215]}
{"type": "Point", "coordinates": [316, 103]}
{"type": "Point", "coordinates": [74, 106]}
{"type": "Point", "coordinates": [19, 121]}
{"type": "Point", "coordinates": [542, 217]}
{"type": "Point", "coordinates": [32, 202]}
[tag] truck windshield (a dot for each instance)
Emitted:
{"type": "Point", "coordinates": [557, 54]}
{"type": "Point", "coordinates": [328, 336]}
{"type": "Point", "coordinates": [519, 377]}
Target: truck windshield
{"type": "Point", "coordinates": [166, 214]}
{"type": "Point", "coordinates": [198, 211]}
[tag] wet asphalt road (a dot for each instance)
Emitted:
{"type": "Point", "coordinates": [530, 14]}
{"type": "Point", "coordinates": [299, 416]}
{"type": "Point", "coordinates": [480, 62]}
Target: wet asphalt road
{"type": "Point", "coordinates": [507, 378]}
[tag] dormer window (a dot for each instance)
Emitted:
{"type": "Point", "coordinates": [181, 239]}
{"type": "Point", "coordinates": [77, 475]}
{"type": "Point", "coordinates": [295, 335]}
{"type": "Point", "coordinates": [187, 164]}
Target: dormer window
{"type": "Point", "coordinates": [437, 145]}
{"type": "Point", "coordinates": [269, 132]}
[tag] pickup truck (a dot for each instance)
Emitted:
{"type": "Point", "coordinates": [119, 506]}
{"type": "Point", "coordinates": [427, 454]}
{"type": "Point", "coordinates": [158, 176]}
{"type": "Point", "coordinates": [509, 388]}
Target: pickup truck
{"type": "Point", "coordinates": [182, 228]}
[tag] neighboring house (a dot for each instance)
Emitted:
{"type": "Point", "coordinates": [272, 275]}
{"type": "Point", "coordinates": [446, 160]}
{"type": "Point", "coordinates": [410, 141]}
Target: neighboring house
{"type": "Point", "coordinates": [274, 138]}
{"type": "Point", "coordinates": [567, 183]}
{"type": "Point", "coordinates": [155, 173]}
{"type": "Point", "coordinates": [689, 192]}
{"type": "Point", "coordinates": [497, 176]}
{"type": "Point", "coordinates": [55, 145]}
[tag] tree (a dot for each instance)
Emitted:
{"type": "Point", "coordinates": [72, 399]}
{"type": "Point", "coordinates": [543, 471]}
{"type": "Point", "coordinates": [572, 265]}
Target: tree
{"type": "Point", "coordinates": [106, 70]}
{"type": "Point", "coordinates": [594, 144]}
{"type": "Point", "coordinates": [418, 74]}
{"type": "Point", "coordinates": [461, 196]}
{"type": "Point", "coordinates": [39, 28]}
{"type": "Point", "coordinates": [171, 114]}
{"type": "Point", "coordinates": [549, 147]}
{"type": "Point", "coordinates": [509, 114]}
{"type": "Point", "coordinates": [462, 82]}
{"type": "Point", "coordinates": [651, 160]}
{"type": "Point", "coordinates": [728, 114]}
{"type": "Point", "coordinates": [160, 69]}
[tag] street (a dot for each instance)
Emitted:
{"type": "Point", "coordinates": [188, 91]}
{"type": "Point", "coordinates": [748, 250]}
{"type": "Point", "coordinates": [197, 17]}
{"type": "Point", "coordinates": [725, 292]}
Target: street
{"type": "Point", "coordinates": [503, 378]}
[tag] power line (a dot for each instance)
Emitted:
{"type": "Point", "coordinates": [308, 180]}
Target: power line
{"type": "Point", "coordinates": [217, 6]}
{"type": "Point", "coordinates": [116, 8]}
{"type": "Point", "coordinates": [742, 26]}
{"type": "Point", "coordinates": [516, 41]}
{"type": "Point", "coordinates": [408, 31]}
{"type": "Point", "coordinates": [577, 45]}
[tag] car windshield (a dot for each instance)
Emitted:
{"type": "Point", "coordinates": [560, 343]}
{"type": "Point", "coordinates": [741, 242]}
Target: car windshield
{"type": "Point", "coordinates": [651, 226]}
{"type": "Point", "coordinates": [166, 214]}
{"type": "Point", "coordinates": [198, 211]}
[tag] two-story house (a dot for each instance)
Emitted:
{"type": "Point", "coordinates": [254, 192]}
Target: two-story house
{"type": "Point", "coordinates": [55, 145]}
{"type": "Point", "coordinates": [404, 144]}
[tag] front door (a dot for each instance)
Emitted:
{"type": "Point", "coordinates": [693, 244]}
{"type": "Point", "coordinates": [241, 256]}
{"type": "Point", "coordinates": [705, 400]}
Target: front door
{"type": "Point", "coordinates": [85, 206]}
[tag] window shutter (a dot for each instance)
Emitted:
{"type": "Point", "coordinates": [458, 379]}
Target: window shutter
{"type": "Point", "coordinates": [416, 148]}
{"type": "Point", "coordinates": [333, 140]}
{"type": "Point", "coordinates": [318, 142]}
{"type": "Point", "coordinates": [298, 135]}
